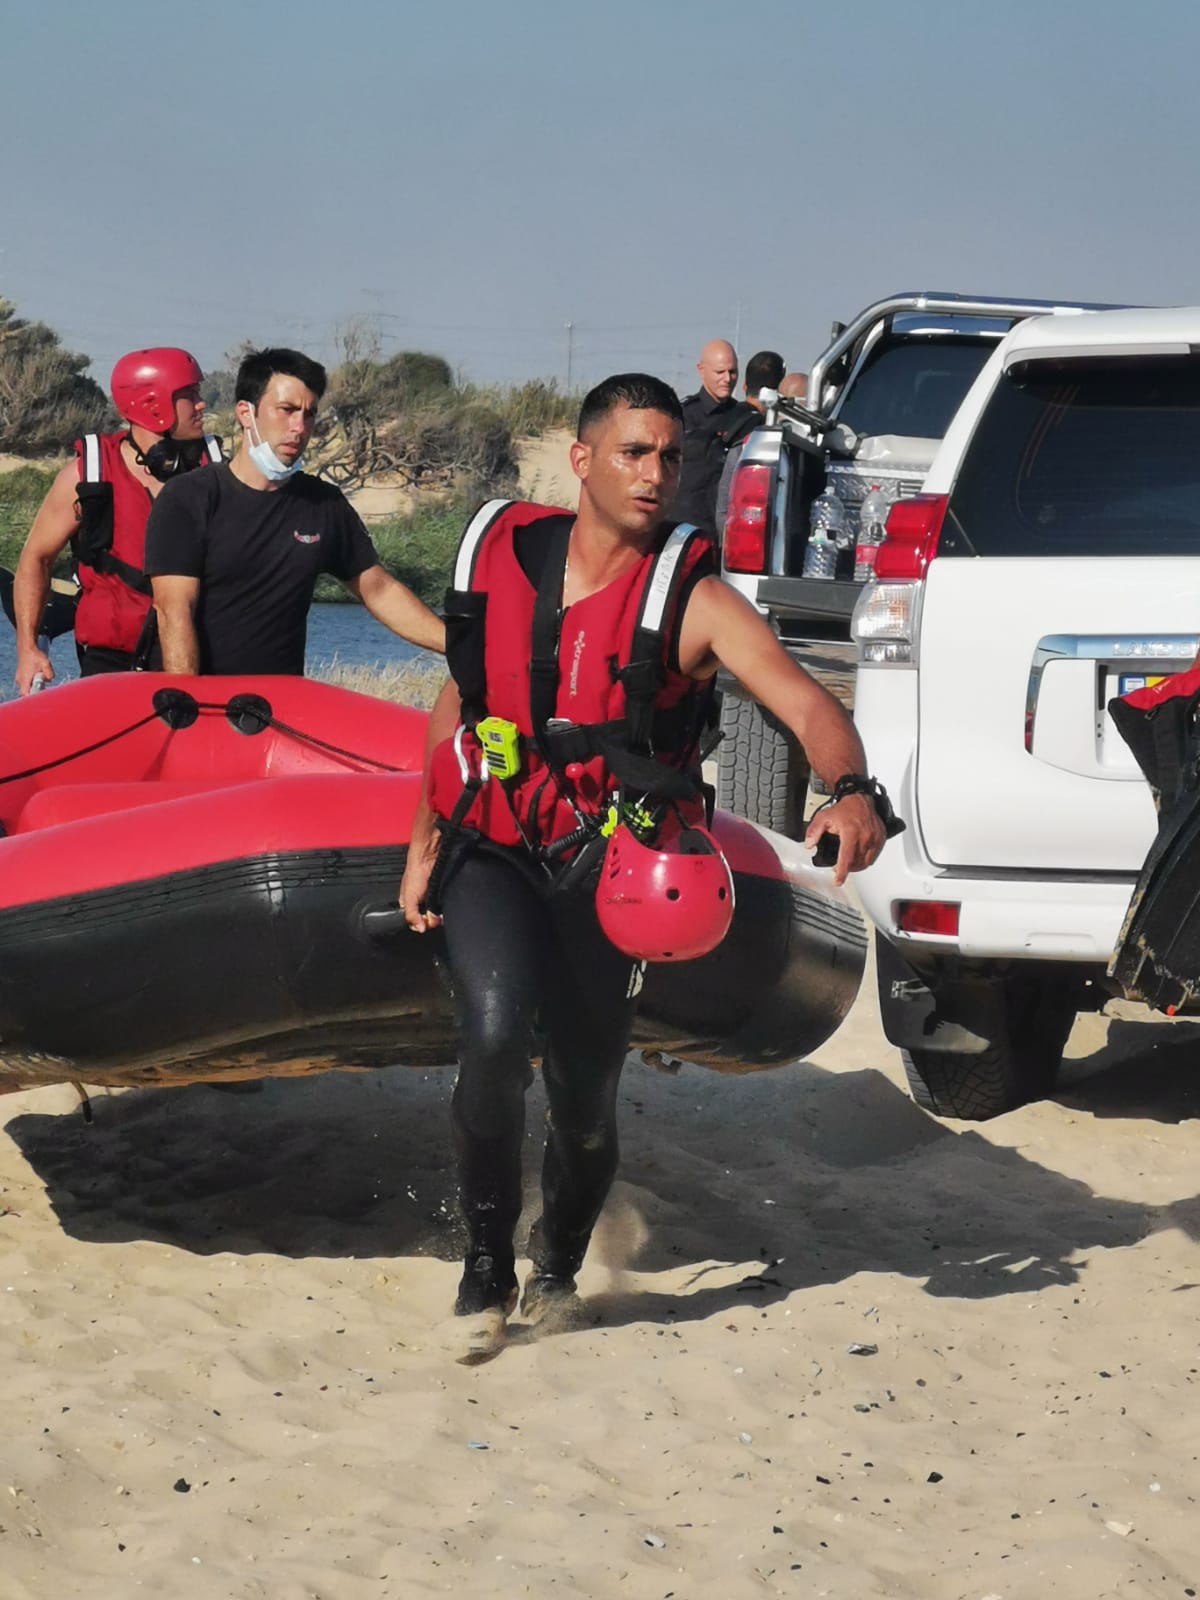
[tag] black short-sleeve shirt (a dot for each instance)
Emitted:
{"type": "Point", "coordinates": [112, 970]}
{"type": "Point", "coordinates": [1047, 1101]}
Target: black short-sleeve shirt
{"type": "Point", "coordinates": [708, 425]}
{"type": "Point", "coordinates": [258, 554]}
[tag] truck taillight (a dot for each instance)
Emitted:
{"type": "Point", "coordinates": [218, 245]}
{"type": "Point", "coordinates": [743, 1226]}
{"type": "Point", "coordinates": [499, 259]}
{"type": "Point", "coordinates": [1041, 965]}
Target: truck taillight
{"type": "Point", "coordinates": [886, 623]}
{"type": "Point", "coordinates": [928, 916]}
{"type": "Point", "coordinates": [745, 537]}
{"type": "Point", "coordinates": [910, 539]}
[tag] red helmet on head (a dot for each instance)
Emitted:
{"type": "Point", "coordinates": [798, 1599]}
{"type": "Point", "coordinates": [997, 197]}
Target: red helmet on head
{"type": "Point", "coordinates": [145, 382]}
{"type": "Point", "coordinates": [671, 901]}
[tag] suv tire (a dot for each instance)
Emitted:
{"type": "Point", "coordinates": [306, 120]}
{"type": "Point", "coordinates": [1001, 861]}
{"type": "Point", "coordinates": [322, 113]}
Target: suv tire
{"type": "Point", "coordinates": [762, 773]}
{"type": "Point", "coordinates": [1026, 1031]}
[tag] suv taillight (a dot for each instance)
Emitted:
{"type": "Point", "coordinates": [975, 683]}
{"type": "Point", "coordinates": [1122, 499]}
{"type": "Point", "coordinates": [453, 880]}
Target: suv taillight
{"type": "Point", "coordinates": [910, 538]}
{"type": "Point", "coordinates": [744, 545]}
{"type": "Point", "coordinates": [887, 619]}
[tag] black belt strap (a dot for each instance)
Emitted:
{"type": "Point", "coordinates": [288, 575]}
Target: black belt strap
{"type": "Point", "coordinates": [113, 566]}
{"type": "Point", "coordinates": [547, 630]}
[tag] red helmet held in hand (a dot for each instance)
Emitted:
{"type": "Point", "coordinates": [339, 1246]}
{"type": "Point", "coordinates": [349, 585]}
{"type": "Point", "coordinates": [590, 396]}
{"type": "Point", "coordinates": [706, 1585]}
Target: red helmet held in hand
{"type": "Point", "coordinates": [671, 901]}
{"type": "Point", "coordinates": [145, 382]}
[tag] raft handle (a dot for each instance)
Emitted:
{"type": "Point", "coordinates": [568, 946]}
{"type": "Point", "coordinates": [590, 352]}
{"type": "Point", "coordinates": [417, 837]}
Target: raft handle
{"type": "Point", "coordinates": [380, 922]}
{"type": "Point", "coordinates": [249, 713]}
{"type": "Point", "coordinates": [176, 707]}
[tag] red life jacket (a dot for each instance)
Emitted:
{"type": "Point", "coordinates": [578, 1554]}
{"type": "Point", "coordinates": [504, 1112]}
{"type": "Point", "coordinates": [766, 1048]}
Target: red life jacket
{"type": "Point", "coordinates": [596, 701]}
{"type": "Point", "coordinates": [110, 544]}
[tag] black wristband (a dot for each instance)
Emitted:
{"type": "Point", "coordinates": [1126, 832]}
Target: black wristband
{"type": "Point", "coordinates": [855, 783]}
{"type": "Point", "coordinates": [858, 783]}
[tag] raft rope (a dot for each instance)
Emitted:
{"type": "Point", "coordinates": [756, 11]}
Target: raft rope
{"type": "Point", "coordinates": [180, 711]}
{"type": "Point", "coordinates": [74, 755]}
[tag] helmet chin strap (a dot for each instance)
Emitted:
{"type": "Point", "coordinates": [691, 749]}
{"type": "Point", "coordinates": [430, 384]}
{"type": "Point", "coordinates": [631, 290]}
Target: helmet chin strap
{"type": "Point", "coordinates": [167, 457]}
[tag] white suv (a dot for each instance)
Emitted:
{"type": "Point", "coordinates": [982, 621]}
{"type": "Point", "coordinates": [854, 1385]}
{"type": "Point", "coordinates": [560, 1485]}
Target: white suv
{"type": "Point", "coordinates": [1051, 562]}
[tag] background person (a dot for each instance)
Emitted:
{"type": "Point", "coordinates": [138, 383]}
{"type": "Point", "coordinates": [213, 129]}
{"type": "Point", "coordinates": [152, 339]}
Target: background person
{"type": "Point", "coordinates": [709, 416]}
{"type": "Point", "coordinates": [519, 945]}
{"type": "Point", "coordinates": [794, 386]}
{"type": "Point", "coordinates": [234, 559]}
{"type": "Point", "coordinates": [101, 500]}
{"type": "Point", "coordinates": [763, 371]}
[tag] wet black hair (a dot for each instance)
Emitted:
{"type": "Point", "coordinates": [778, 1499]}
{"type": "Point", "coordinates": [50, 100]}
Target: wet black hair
{"type": "Point", "coordinates": [260, 366]}
{"type": "Point", "coordinates": [764, 371]}
{"type": "Point", "coordinates": [638, 390]}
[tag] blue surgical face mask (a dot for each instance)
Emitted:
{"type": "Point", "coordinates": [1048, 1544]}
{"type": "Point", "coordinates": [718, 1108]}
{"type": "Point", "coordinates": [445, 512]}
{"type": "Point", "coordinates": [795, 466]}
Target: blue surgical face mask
{"type": "Point", "coordinates": [265, 459]}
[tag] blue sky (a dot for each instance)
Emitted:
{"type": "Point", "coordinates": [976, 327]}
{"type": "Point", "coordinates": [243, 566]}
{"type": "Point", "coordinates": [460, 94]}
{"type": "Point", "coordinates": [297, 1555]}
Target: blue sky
{"type": "Point", "coordinates": [473, 177]}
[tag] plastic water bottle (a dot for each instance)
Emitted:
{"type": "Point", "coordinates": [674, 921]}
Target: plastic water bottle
{"type": "Point", "coordinates": [827, 523]}
{"type": "Point", "coordinates": [872, 519]}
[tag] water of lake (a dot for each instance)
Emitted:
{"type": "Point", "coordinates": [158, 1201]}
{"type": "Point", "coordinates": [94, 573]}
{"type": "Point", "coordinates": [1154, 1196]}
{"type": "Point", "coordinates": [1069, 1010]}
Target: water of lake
{"type": "Point", "coordinates": [345, 633]}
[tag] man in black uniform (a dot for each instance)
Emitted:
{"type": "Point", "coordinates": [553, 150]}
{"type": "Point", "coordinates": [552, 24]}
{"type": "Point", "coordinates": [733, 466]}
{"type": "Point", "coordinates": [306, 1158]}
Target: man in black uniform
{"type": "Point", "coordinates": [709, 416]}
{"type": "Point", "coordinates": [234, 562]}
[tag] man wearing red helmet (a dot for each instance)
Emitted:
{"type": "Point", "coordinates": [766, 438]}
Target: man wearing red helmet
{"type": "Point", "coordinates": [584, 650]}
{"type": "Point", "coordinates": [99, 503]}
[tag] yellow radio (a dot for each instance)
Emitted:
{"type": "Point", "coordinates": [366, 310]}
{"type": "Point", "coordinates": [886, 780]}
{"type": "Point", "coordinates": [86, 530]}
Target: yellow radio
{"type": "Point", "coordinates": [500, 742]}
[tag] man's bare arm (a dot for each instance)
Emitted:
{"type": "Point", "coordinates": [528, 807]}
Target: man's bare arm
{"type": "Point", "coordinates": [175, 602]}
{"type": "Point", "coordinates": [56, 521]}
{"type": "Point", "coordinates": [389, 602]}
{"type": "Point", "coordinates": [721, 625]}
{"type": "Point", "coordinates": [423, 845]}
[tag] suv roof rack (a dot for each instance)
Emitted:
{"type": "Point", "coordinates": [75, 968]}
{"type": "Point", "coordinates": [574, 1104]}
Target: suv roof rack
{"type": "Point", "coordinates": [938, 304]}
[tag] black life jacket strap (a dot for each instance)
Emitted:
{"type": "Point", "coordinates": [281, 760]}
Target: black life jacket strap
{"type": "Point", "coordinates": [609, 740]}
{"type": "Point", "coordinates": [546, 631]}
{"type": "Point", "coordinates": [450, 829]}
{"type": "Point", "coordinates": [643, 673]}
{"type": "Point", "coordinates": [465, 612]}
{"type": "Point", "coordinates": [133, 577]}
{"type": "Point", "coordinates": [95, 501]}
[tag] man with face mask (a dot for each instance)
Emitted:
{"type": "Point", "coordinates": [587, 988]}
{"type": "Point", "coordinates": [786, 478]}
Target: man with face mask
{"type": "Point", "coordinates": [234, 560]}
{"type": "Point", "coordinates": [100, 503]}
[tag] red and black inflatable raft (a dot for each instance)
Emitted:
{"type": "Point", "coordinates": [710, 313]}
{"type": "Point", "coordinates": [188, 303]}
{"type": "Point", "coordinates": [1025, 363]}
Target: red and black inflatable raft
{"type": "Point", "coordinates": [198, 880]}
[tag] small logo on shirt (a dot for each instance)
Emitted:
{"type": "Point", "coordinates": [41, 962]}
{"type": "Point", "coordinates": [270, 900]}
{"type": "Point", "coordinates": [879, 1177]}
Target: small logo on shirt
{"type": "Point", "coordinates": [573, 681]}
{"type": "Point", "coordinates": [306, 538]}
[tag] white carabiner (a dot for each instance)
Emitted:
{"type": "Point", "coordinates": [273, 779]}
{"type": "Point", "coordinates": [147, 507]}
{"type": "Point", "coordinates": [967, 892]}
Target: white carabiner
{"type": "Point", "coordinates": [464, 766]}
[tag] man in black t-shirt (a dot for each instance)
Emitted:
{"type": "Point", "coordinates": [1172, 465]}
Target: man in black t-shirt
{"type": "Point", "coordinates": [234, 567]}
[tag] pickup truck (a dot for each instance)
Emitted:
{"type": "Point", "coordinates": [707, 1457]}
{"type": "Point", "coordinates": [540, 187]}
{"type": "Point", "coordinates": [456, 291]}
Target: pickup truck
{"type": "Point", "coordinates": [881, 397]}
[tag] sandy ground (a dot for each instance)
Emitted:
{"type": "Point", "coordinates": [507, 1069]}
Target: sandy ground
{"type": "Point", "coordinates": [835, 1347]}
{"type": "Point", "coordinates": [546, 473]}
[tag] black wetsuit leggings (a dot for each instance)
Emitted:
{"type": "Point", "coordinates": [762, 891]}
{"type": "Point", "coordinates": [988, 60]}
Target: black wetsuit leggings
{"type": "Point", "coordinates": [519, 957]}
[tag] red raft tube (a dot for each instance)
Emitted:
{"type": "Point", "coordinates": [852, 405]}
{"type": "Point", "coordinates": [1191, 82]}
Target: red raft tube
{"type": "Point", "coordinates": [198, 881]}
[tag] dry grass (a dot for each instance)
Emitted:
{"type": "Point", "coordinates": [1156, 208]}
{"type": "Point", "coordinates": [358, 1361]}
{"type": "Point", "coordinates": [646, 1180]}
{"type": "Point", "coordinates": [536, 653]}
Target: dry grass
{"type": "Point", "coordinates": [411, 683]}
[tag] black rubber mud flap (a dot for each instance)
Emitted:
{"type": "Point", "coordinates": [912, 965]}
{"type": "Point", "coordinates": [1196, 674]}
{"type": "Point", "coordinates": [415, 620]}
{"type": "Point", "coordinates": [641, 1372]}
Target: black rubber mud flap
{"type": "Point", "coordinates": [1157, 958]}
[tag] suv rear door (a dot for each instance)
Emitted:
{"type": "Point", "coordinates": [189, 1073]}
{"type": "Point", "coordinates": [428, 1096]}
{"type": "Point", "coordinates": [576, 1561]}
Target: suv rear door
{"type": "Point", "coordinates": [1067, 571]}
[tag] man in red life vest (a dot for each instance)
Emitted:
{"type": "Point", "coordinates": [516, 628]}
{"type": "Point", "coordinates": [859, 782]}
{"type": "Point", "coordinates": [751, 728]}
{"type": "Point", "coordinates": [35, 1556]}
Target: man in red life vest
{"type": "Point", "coordinates": [543, 623]}
{"type": "Point", "coordinates": [100, 502]}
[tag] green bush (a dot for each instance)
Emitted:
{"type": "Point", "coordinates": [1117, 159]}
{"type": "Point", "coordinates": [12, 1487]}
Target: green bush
{"type": "Point", "coordinates": [530, 408]}
{"type": "Point", "coordinates": [45, 399]}
{"type": "Point", "coordinates": [419, 550]}
{"type": "Point", "coordinates": [21, 493]}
